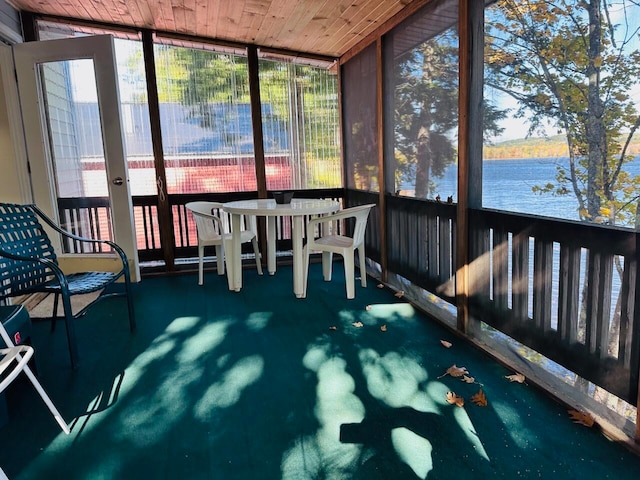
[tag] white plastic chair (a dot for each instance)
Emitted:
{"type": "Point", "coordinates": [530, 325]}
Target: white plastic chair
{"type": "Point", "coordinates": [213, 228]}
{"type": "Point", "coordinates": [18, 357]}
{"type": "Point", "coordinates": [330, 242]}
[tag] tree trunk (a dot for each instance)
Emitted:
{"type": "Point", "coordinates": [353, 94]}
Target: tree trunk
{"type": "Point", "coordinates": [423, 167]}
{"type": "Point", "coordinates": [595, 130]}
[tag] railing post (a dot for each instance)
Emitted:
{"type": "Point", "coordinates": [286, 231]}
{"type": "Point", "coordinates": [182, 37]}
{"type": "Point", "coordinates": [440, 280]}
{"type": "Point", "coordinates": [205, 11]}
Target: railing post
{"type": "Point", "coordinates": [471, 18]}
{"type": "Point", "coordinates": [635, 332]}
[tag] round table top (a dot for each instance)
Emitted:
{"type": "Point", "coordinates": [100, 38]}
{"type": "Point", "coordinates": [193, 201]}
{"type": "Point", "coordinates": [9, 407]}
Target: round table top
{"type": "Point", "coordinates": [269, 207]}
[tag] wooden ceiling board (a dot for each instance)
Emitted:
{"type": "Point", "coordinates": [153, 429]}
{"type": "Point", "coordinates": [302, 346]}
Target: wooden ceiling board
{"type": "Point", "coordinates": [357, 25]}
{"type": "Point", "coordinates": [191, 16]}
{"type": "Point", "coordinates": [355, 22]}
{"type": "Point", "coordinates": [66, 9]}
{"type": "Point", "coordinates": [320, 27]}
{"type": "Point", "coordinates": [272, 23]}
{"type": "Point", "coordinates": [210, 26]}
{"type": "Point", "coordinates": [92, 8]}
{"type": "Point", "coordinates": [165, 19]}
{"type": "Point", "coordinates": [146, 14]}
{"type": "Point", "coordinates": [257, 10]}
{"type": "Point", "coordinates": [230, 18]}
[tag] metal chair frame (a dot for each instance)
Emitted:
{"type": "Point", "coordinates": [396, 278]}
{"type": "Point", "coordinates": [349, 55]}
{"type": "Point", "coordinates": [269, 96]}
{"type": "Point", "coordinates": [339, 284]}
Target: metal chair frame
{"type": "Point", "coordinates": [29, 264]}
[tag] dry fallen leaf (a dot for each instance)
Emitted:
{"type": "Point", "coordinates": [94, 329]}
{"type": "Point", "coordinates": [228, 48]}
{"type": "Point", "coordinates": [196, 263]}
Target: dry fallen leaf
{"type": "Point", "coordinates": [367, 308]}
{"type": "Point", "coordinates": [455, 371]}
{"type": "Point", "coordinates": [516, 377]}
{"type": "Point", "coordinates": [582, 418]}
{"type": "Point", "coordinates": [357, 324]}
{"type": "Point", "coordinates": [399, 294]}
{"type": "Point", "coordinates": [479, 399]}
{"type": "Point", "coordinates": [383, 328]}
{"type": "Point", "coordinates": [333, 327]}
{"type": "Point", "coordinates": [454, 399]}
{"type": "Point", "coordinates": [380, 285]}
{"type": "Point", "coordinates": [446, 344]}
{"type": "Point", "coordinates": [468, 379]}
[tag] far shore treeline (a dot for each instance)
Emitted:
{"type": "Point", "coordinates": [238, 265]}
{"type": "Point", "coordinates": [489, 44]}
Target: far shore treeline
{"type": "Point", "coordinates": [536, 147]}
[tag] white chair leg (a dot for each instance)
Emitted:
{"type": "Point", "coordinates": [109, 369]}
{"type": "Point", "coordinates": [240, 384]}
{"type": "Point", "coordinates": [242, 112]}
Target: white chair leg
{"type": "Point", "coordinates": [220, 259]}
{"type": "Point", "coordinates": [349, 275]}
{"type": "Point", "coordinates": [305, 255]}
{"type": "Point", "coordinates": [327, 260]}
{"type": "Point", "coordinates": [200, 265]}
{"type": "Point", "coordinates": [23, 366]}
{"type": "Point", "coordinates": [52, 408]}
{"type": "Point", "coordinates": [256, 251]}
{"type": "Point", "coordinates": [363, 265]}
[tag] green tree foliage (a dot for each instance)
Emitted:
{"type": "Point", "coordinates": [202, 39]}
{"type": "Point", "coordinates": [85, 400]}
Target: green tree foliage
{"type": "Point", "coordinates": [426, 110]}
{"type": "Point", "coordinates": [574, 63]}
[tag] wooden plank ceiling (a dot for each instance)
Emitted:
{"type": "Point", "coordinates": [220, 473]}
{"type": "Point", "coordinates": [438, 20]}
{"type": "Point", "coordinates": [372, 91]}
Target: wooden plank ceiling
{"type": "Point", "coordinates": [321, 27]}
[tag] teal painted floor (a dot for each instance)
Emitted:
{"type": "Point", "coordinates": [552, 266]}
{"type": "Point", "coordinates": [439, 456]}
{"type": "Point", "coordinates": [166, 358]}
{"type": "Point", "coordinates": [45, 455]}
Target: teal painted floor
{"type": "Point", "coordinates": [258, 385]}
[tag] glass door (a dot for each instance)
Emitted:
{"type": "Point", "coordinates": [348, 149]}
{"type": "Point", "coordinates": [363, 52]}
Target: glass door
{"type": "Point", "coordinates": [71, 110]}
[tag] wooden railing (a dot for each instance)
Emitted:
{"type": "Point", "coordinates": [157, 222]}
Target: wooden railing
{"type": "Point", "coordinates": [421, 243]}
{"type": "Point", "coordinates": [565, 289]}
{"type": "Point", "coordinates": [91, 217]}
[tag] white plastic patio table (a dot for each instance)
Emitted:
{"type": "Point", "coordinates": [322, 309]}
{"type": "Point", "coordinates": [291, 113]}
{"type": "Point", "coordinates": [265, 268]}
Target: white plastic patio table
{"type": "Point", "coordinates": [297, 210]}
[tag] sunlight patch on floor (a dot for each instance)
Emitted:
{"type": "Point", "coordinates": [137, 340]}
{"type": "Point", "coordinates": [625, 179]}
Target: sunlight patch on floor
{"type": "Point", "coordinates": [389, 310]}
{"type": "Point", "coordinates": [413, 450]}
{"type": "Point", "coordinates": [322, 455]}
{"type": "Point", "coordinates": [520, 433]}
{"type": "Point", "coordinates": [258, 320]}
{"type": "Point", "coordinates": [227, 391]}
{"type": "Point", "coordinates": [466, 425]}
{"type": "Point", "coordinates": [203, 341]}
{"type": "Point", "coordinates": [396, 380]}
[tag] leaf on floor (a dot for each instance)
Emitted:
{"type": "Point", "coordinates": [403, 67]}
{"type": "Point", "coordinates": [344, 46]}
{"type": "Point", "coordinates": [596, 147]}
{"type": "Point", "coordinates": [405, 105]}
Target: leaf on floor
{"type": "Point", "coordinates": [399, 294]}
{"type": "Point", "coordinates": [383, 328]}
{"type": "Point", "coordinates": [582, 418]}
{"type": "Point", "coordinates": [367, 308]}
{"type": "Point", "coordinates": [380, 285]}
{"type": "Point", "coordinates": [455, 371]}
{"type": "Point", "coordinates": [516, 377]}
{"type": "Point", "coordinates": [454, 399]}
{"type": "Point", "coordinates": [480, 399]}
{"type": "Point", "coordinates": [446, 344]}
{"type": "Point", "coordinates": [358, 324]}
{"type": "Point", "coordinates": [333, 327]}
{"type": "Point", "coordinates": [467, 379]}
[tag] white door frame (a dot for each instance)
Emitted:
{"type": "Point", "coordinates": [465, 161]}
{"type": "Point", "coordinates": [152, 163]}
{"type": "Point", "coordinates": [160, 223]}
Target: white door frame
{"type": "Point", "coordinates": [100, 49]}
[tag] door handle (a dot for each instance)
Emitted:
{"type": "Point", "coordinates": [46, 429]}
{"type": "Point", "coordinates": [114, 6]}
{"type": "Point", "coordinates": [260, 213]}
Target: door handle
{"type": "Point", "coordinates": [117, 181]}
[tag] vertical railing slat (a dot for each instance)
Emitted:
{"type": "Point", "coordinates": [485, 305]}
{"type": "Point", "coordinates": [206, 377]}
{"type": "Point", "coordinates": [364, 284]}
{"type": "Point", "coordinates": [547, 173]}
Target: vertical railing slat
{"type": "Point", "coordinates": [520, 276]}
{"type": "Point", "coordinates": [542, 284]}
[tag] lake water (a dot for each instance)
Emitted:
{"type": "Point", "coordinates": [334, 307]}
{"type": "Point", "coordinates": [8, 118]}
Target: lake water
{"type": "Point", "coordinates": [507, 185]}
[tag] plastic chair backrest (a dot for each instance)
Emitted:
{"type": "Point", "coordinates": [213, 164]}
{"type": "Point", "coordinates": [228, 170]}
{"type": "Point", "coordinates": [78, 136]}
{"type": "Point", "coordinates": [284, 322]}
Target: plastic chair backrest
{"type": "Point", "coordinates": [205, 224]}
{"type": "Point", "coordinates": [21, 233]}
{"type": "Point", "coordinates": [203, 212]}
{"type": "Point", "coordinates": [361, 214]}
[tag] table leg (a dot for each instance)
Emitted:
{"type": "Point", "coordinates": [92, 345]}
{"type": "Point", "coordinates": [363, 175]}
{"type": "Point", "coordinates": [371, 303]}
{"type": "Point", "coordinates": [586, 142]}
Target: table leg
{"type": "Point", "coordinates": [234, 256]}
{"type": "Point", "coordinates": [271, 244]}
{"type": "Point", "coordinates": [298, 261]}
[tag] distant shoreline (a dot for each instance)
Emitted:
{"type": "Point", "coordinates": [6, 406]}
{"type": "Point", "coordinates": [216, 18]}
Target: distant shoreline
{"type": "Point", "coordinates": [537, 147]}
{"type": "Point", "coordinates": [524, 158]}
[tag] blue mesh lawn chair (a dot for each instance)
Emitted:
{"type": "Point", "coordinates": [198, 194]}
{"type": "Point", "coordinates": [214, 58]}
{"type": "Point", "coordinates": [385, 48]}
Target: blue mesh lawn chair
{"type": "Point", "coordinates": [28, 264]}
